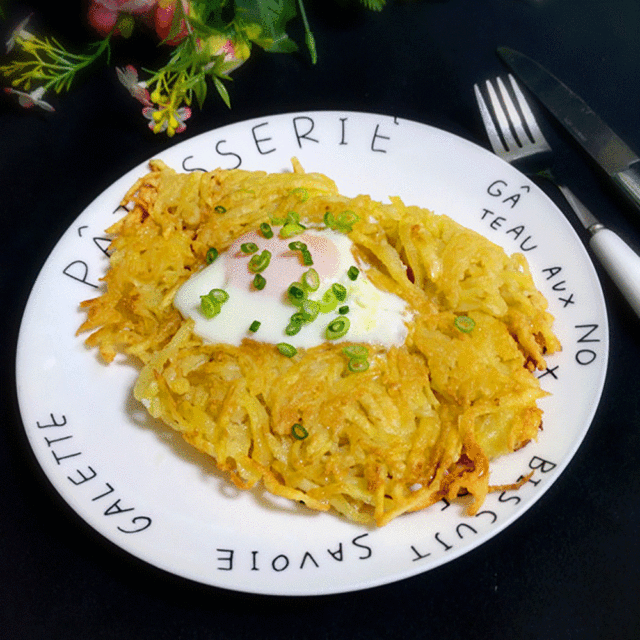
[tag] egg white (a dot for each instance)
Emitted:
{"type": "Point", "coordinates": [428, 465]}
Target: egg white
{"type": "Point", "coordinates": [376, 317]}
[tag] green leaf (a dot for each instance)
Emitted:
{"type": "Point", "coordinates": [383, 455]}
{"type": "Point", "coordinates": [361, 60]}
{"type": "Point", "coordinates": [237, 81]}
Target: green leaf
{"type": "Point", "coordinates": [222, 90]}
{"type": "Point", "coordinates": [200, 90]}
{"type": "Point", "coordinates": [214, 13]}
{"type": "Point", "coordinates": [272, 17]}
{"type": "Point", "coordinates": [374, 5]}
{"type": "Point", "coordinates": [176, 23]}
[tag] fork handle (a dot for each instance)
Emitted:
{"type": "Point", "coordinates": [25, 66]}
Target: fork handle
{"type": "Point", "coordinates": [621, 262]}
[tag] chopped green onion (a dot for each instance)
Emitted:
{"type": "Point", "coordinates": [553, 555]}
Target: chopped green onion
{"type": "Point", "coordinates": [220, 209]}
{"type": "Point", "coordinates": [209, 307]}
{"type": "Point", "coordinates": [296, 293]}
{"type": "Point", "coordinates": [211, 304]}
{"type": "Point", "coordinates": [302, 193]}
{"type": "Point", "coordinates": [292, 328]}
{"type": "Point", "coordinates": [311, 280]}
{"type": "Point", "coordinates": [358, 365]}
{"type": "Point", "coordinates": [299, 432]}
{"type": "Point", "coordinates": [219, 295]}
{"type": "Point", "coordinates": [358, 357]}
{"type": "Point", "coordinates": [212, 254]}
{"type": "Point", "coordinates": [266, 230]}
{"type": "Point", "coordinates": [248, 247]}
{"type": "Point", "coordinates": [329, 301]}
{"type": "Point", "coordinates": [255, 325]}
{"type": "Point", "coordinates": [353, 273]}
{"type": "Point", "coordinates": [310, 310]}
{"type": "Point", "coordinates": [297, 317]}
{"type": "Point", "coordinates": [337, 328]}
{"type": "Point", "coordinates": [340, 291]}
{"type": "Point", "coordinates": [343, 223]}
{"type": "Point", "coordinates": [344, 309]}
{"type": "Point", "coordinates": [260, 262]}
{"type": "Point", "coordinates": [307, 258]}
{"type": "Point", "coordinates": [347, 219]}
{"type": "Point", "coordinates": [259, 281]}
{"type": "Point", "coordinates": [356, 351]}
{"type": "Point", "coordinates": [277, 221]}
{"type": "Point", "coordinates": [292, 226]}
{"type": "Point", "coordinates": [291, 229]}
{"type": "Point", "coordinates": [286, 349]}
{"type": "Point", "coordinates": [464, 324]}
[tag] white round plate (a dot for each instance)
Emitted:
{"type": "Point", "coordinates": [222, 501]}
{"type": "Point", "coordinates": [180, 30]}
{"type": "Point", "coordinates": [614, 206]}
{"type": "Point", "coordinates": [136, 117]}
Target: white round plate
{"type": "Point", "coordinates": [139, 485]}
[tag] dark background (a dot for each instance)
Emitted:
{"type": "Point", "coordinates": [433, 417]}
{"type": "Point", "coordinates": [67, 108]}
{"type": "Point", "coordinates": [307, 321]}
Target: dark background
{"type": "Point", "coordinates": [569, 568]}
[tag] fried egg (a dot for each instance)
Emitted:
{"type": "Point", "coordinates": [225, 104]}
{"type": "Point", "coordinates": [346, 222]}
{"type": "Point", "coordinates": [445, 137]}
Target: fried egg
{"type": "Point", "coordinates": [373, 316]}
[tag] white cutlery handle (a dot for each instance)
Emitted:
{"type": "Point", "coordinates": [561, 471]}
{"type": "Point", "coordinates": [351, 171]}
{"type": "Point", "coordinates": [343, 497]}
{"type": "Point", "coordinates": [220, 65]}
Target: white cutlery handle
{"type": "Point", "coordinates": [621, 262]}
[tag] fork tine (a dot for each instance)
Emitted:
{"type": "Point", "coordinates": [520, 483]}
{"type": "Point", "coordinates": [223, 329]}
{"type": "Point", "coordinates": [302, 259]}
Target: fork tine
{"type": "Point", "coordinates": [501, 117]}
{"type": "Point", "coordinates": [512, 114]}
{"type": "Point", "coordinates": [529, 118]}
{"type": "Point", "coordinates": [492, 133]}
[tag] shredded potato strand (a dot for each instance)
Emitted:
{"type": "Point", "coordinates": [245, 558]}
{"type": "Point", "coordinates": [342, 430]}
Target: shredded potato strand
{"type": "Point", "coordinates": [421, 424]}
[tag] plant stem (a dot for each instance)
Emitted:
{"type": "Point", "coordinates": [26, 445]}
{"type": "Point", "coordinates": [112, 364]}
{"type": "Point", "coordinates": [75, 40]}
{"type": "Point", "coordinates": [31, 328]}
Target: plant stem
{"type": "Point", "coordinates": [308, 37]}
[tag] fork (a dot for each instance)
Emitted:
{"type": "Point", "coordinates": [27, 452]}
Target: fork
{"type": "Point", "coordinates": [517, 138]}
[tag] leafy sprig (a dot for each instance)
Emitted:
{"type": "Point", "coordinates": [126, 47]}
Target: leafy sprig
{"type": "Point", "coordinates": [49, 64]}
{"type": "Point", "coordinates": [209, 39]}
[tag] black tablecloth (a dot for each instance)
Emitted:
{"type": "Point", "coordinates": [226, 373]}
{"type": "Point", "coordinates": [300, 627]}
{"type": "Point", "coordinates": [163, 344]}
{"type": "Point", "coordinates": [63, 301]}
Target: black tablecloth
{"type": "Point", "coordinates": [569, 568]}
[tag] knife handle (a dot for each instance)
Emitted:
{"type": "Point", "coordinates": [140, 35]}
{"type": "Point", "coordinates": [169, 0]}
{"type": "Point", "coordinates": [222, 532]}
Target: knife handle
{"type": "Point", "coordinates": [621, 262]}
{"type": "Point", "coordinates": [629, 181]}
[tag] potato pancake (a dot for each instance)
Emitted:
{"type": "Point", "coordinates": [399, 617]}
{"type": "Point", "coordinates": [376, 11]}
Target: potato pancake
{"type": "Point", "coordinates": [419, 423]}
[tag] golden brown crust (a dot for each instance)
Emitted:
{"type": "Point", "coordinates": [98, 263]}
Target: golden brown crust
{"type": "Point", "coordinates": [421, 424]}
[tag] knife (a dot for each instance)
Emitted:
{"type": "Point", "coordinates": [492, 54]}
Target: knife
{"type": "Point", "coordinates": [620, 261]}
{"type": "Point", "coordinates": [620, 163]}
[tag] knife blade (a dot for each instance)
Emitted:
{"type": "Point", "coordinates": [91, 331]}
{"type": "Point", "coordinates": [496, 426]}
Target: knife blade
{"type": "Point", "coordinates": [613, 155]}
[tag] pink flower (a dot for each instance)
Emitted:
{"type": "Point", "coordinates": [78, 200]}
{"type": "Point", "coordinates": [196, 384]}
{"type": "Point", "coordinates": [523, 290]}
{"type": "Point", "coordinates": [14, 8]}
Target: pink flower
{"type": "Point", "coordinates": [103, 15]}
{"type": "Point", "coordinates": [28, 100]}
{"type": "Point", "coordinates": [19, 32]}
{"type": "Point", "coordinates": [234, 53]}
{"type": "Point", "coordinates": [129, 78]}
{"type": "Point", "coordinates": [165, 11]}
{"type": "Point", "coordinates": [234, 56]}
